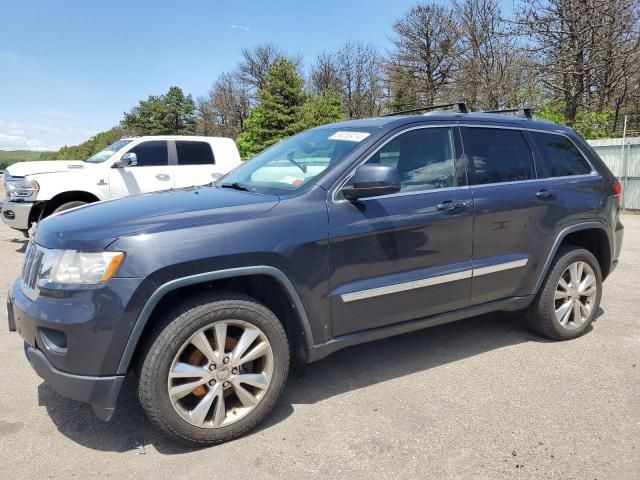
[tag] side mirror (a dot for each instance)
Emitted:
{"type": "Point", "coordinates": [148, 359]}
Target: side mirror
{"type": "Point", "coordinates": [371, 181]}
{"type": "Point", "coordinates": [128, 159]}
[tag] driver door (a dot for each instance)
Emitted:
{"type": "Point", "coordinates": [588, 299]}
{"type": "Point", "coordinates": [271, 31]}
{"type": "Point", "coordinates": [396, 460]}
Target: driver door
{"type": "Point", "coordinates": [406, 255]}
{"type": "Point", "coordinates": [152, 173]}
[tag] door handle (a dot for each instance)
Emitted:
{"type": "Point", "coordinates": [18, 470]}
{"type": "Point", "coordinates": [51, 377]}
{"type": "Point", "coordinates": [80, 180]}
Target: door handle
{"type": "Point", "coordinates": [450, 206]}
{"type": "Point", "coordinates": [544, 193]}
{"type": "Point", "coordinates": [162, 176]}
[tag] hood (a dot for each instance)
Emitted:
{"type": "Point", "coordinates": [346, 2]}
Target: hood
{"type": "Point", "coordinates": [94, 227]}
{"type": "Point", "coordinates": [22, 169]}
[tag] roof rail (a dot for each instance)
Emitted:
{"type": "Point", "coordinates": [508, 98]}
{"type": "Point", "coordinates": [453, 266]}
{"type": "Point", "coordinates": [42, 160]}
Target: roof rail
{"type": "Point", "coordinates": [459, 107]}
{"type": "Point", "coordinates": [522, 112]}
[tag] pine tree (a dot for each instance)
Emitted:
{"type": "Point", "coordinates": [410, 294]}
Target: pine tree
{"type": "Point", "coordinates": [279, 112]}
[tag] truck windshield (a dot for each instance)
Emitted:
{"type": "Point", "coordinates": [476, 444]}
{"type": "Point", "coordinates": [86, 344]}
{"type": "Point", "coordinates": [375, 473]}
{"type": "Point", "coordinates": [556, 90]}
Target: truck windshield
{"type": "Point", "coordinates": [294, 162]}
{"type": "Point", "coordinates": [102, 155]}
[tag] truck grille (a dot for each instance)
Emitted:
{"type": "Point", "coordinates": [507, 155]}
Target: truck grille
{"type": "Point", "coordinates": [31, 267]}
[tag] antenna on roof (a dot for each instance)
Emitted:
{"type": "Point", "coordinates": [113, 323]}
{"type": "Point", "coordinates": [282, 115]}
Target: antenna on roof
{"type": "Point", "coordinates": [525, 112]}
{"type": "Point", "coordinates": [459, 107]}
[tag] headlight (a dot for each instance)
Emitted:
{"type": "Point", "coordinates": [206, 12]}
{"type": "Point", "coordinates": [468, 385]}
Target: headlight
{"type": "Point", "coordinates": [21, 187]}
{"type": "Point", "coordinates": [73, 267]}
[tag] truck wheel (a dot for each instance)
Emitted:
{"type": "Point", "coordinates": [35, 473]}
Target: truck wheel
{"type": "Point", "coordinates": [569, 297]}
{"type": "Point", "coordinates": [68, 206]}
{"type": "Point", "coordinates": [215, 370]}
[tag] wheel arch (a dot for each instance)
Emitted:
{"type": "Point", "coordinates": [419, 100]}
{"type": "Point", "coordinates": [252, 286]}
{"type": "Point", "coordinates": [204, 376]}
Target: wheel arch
{"type": "Point", "coordinates": [65, 197]}
{"type": "Point", "coordinates": [296, 323]}
{"type": "Point", "coordinates": [593, 236]}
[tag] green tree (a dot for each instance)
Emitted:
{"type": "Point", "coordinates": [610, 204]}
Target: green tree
{"type": "Point", "coordinates": [173, 113]}
{"type": "Point", "coordinates": [589, 124]}
{"type": "Point", "coordinates": [88, 148]}
{"type": "Point", "coordinates": [321, 109]}
{"type": "Point", "coordinates": [278, 113]}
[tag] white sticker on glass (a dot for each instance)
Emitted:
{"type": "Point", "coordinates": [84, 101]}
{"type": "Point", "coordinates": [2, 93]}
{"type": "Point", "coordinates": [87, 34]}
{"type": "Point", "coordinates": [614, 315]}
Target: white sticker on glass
{"type": "Point", "coordinates": [349, 136]}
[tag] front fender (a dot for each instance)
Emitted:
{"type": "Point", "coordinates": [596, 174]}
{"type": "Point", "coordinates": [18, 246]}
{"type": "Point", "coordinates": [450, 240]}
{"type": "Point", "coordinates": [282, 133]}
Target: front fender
{"type": "Point", "coordinates": [300, 314]}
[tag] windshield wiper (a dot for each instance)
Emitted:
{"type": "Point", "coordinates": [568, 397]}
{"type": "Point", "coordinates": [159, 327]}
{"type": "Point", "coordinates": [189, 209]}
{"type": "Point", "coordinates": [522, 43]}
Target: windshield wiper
{"type": "Point", "coordinates": [235, 186]}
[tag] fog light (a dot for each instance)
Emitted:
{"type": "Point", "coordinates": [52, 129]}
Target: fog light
{"type": "Point", "coordinates": [53, 340]}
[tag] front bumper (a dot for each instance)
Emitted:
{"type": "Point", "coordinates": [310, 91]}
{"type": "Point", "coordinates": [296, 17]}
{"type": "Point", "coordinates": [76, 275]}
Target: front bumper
{"type": "Point", "coordinates": [100, 392]}
{"type": "Point", "coordinates": [16, 214]}
{"type": "Point", "coordinates": [74, 339]}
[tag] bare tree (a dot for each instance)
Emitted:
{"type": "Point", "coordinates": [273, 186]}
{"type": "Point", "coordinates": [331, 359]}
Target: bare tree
{"type": "Point", "coordinates": [358, 66]}
{"type": "Point", "coordinates": [223, 111]}
{"type": "Point", "coordinates": [324, 74]}
{"type": "Point", "coordinates": [490, 72]}
{"type": "Point", "coordinates": [255, 64]}
{"type": "Point", "coordinates": [426, 45]}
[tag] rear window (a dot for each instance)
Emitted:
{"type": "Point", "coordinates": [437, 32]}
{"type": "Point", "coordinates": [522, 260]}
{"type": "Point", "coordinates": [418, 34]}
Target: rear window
{"type": "Point", "coordinates": [561, 157]}
{"type": "Point", "coordinates": [498, 155]}
{"type": "Point", "coordinates": [194, 153]}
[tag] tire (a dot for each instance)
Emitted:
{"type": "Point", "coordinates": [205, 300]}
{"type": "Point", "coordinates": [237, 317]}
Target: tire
{"type": "Point", "coordinates": [68, 206]}
{"type": "Point", "coordinates": [547, 313]}
{"type": "Point", "coordinates": [191, 419]}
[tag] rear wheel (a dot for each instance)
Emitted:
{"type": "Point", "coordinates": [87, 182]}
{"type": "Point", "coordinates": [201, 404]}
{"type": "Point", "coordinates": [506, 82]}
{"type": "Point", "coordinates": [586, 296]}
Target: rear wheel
{"type": "Point", "coordinates": [215, 371]}
{"type": "Point", "coordinates": [570, 296]}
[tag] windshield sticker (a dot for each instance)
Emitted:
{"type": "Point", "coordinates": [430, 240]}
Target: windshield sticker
{"type": "Point", "coordinates": [349, 136]}
{"type": "Point", "coordinates": [292, 180]}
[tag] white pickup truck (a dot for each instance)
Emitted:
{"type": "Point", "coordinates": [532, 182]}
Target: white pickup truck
{"type": "Point", "coordinates": [38, 189]}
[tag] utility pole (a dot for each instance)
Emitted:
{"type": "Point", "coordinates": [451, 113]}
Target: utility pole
{"type": "Point", "coordinates": [624, 163]}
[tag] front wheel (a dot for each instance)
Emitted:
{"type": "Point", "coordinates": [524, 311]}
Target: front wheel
{"type": "Point", "coordinates": [570, 296]}
{"type": "Point", "coordinates": [215, 371]}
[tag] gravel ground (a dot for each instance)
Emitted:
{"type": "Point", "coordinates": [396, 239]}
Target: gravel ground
{"type": "Point", "coordinates": [480, 398]}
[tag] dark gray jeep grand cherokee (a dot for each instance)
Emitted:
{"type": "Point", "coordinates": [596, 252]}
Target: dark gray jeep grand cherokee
{"type": "Point", "coordinates": [339, 235]}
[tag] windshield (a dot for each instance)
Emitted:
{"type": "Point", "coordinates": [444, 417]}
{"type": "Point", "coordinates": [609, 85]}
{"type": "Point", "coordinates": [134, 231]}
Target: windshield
{"type": "Point", "coordinates": [291, 163]}
{"type": "Point", "coordinates": [102, 155]}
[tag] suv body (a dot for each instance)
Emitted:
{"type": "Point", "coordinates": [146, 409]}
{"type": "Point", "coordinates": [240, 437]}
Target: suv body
{"type": "Point", "coordinates": [481, 212]}
{"type": "Point", "coordinates": [37, 189]}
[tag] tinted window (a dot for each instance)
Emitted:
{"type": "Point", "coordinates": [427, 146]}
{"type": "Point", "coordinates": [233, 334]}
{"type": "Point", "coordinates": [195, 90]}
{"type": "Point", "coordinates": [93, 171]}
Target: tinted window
{"type": "Point", "coordinates": [561, 157]}
{"type": "Point", "coordinates": [498, 155]}
{"type": "Point", "coordinates": [151, 153]}
{"type": "Point", "coordinates": [194, 153]}
{"type": "Point", "coordinates": [425, 158]}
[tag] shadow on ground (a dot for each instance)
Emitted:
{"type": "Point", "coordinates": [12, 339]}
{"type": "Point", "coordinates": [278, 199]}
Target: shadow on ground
{"type": "Point", "coordinates": [22, 242]}
{"type": "Point", "coordinates": [341, 372]}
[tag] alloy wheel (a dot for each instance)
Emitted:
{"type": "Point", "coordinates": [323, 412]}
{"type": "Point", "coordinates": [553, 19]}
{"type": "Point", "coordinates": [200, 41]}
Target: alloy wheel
{"type": "Point", "coordinates": [220, 374]}
{"type": "Point", "coordinates": [575, 295]}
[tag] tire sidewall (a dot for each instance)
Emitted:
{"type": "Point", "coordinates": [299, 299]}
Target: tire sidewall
{"type": "Point", "coordinates": [189, 323]}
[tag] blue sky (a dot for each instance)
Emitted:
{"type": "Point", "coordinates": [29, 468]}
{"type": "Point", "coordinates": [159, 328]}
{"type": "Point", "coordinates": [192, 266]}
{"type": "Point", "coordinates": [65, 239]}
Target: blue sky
{"type": "Point", "coordinates": [70, 68]}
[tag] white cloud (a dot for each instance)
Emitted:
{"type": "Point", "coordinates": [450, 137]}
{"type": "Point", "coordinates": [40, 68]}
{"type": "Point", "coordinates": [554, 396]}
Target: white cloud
{"type": "Point", "coordinates": [17, 142]}
{"type": "Point", "coordinates": [31, 136]}
{"type": "Point", "coordinates": [239, 27]}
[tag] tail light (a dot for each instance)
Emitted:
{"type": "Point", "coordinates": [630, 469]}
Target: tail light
{"type": "Point", "coordinates": [617, 190]}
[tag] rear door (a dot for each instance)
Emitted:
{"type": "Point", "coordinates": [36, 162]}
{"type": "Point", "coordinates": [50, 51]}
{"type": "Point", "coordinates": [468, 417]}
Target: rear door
{"type": "Point", "coordinates": [195, 163]}
{"type": "Point", "coordinates": [517, 214]}
{"type": "Point", "coordinates": [407, 255]}
{"type": "Point", "coordinates": [151, 174]}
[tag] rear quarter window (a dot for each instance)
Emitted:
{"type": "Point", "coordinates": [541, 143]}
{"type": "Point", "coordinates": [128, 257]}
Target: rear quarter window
{"type": "Point", "coordinates": [194, 153]}
{"type": "Point", "coordinates": [560, 156]}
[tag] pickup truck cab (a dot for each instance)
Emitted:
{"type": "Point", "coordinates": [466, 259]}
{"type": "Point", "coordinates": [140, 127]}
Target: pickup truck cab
{"type": "Point", "coordinates": [130, 166]}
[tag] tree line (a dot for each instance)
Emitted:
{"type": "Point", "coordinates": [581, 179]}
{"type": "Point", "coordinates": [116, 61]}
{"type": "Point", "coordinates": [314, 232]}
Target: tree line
{"type": "Point", "coordinates": [575, 62]}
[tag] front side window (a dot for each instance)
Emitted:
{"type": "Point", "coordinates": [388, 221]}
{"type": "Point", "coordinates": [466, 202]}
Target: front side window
{"type": "Point", "coordinates": [424, 157]}
{"type": "Point", "coordinates": [561, 157]}
{"type": "Point", "coordinates": [152, 153]}
{"type": "Point", "coordinates": [498, 155]}
{"type": "Point", "coordinates": [194, 153]}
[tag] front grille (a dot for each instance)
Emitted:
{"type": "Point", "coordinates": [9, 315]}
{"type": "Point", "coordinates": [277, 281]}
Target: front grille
{"type": "Point", "coordinates": [31, 267]}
